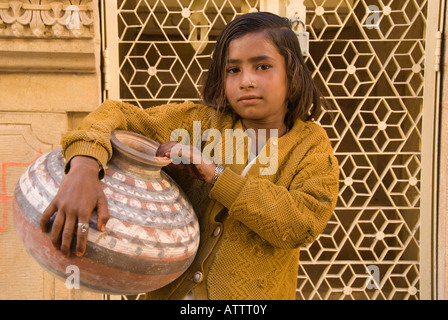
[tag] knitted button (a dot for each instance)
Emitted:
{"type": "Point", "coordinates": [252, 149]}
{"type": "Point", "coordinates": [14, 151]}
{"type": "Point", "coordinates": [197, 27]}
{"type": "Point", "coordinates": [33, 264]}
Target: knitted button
{"type": "Point", "coordinates": [217, 231]}
{"type": "Point", "coordinates": [274, 141]}
{"type": "Point", "coordinates": [197, 277]}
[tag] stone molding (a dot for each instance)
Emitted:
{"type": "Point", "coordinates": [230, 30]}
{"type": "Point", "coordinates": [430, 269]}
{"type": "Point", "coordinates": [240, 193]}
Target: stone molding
{"type": "Point", "coordinates": [48, 56]}
{"type": "Point", "coordinates": [47, 19]}
{"type": "Point", "coordinates": [49, 36]}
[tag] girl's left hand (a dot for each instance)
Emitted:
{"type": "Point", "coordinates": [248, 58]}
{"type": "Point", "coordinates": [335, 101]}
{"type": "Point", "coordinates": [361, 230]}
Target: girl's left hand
{"type": "Point", "coordinates": [189, 159]}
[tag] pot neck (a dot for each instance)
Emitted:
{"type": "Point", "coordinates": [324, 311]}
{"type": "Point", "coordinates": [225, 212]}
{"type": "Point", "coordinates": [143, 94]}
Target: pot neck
{"type": "Point", "coordinates": [135, 154]}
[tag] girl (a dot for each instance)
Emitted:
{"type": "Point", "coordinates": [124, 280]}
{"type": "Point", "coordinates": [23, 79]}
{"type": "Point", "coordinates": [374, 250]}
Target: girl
{"type": "Point", "coordinates": [253, 222]}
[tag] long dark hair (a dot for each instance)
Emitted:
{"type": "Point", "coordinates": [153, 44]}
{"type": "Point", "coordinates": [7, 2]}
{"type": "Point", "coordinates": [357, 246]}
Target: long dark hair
{"type": "Point", "coordinates": [304, 98]}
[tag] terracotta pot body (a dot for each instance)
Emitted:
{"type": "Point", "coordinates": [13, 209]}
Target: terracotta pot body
{"type": "Point", "coordinates": [151, 237]}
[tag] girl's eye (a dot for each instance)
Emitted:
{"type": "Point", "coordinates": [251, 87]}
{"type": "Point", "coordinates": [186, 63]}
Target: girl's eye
{"type": "Point", "coordinates": [263, 67]}
{"type": "Point", "coordinates": [232, 70]}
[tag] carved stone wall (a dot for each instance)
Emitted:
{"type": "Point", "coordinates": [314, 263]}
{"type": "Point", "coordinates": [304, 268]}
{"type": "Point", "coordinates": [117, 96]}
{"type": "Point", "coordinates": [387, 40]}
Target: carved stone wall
{"type": "Point", "coordinates": [52, 50]}
{"type": "Point", "coordinates": [47, 18]}
{"type": "Point", "coordinates": [49, 79]}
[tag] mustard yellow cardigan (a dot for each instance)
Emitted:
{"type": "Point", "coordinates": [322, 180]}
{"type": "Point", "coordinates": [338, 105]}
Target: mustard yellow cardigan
{"type": "Point", "coordinates": [252, 250]}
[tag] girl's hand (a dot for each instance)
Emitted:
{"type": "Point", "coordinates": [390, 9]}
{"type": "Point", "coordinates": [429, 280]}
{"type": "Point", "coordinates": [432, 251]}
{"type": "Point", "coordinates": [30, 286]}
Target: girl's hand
{"type": "Point", "coordinates": [189, 159]}
{"type": "Point", "coordinates": [79, 194]}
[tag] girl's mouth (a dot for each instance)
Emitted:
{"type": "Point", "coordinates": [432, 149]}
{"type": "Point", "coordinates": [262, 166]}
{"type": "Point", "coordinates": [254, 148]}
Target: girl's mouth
{"type": "Point", "coordinates": [249, 99]}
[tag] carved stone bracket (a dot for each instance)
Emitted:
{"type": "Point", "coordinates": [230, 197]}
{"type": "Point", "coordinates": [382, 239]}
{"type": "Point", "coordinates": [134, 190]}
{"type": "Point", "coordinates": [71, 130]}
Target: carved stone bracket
{"type": "Point", "coordinates": [46, 19]}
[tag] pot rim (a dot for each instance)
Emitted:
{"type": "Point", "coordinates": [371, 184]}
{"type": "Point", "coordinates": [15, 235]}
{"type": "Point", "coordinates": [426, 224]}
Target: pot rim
{"type": "Point", "coordinates": [135, 154]}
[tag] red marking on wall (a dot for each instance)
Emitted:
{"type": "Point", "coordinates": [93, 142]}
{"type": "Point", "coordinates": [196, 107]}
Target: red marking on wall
{"type": "Point", "coordinates": [4, 197]}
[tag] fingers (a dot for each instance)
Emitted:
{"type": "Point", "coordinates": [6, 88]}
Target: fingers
{"type": "Point", "coordinates": [79, 194]}
{"type": "Point", "coordinates": [179, 153]}
{"type": "Point", "coordinates": [67, 237]}
{"type": "Point", "coordinates": [182, 154]}
{"type": "Point", "coordinates": [61, 234]}
{"type": "Point", "coordinates": [65, 226]}
{"type": "Point", "coordinates": [187, 154]}
{"type": "Point", "coordinates": [83, 227]}
{"type": "Point", "coordinates": [191, 160]}
{"type": "Point", "coordinates": [81, 241]}
{"type": "Point", "coordinates": [63, 231]}
{"type": "Point", "coordinates": [164, 149]}
{"type": "Point", "coordinates": [56, 229]}
{"type": "Point", "coordinates": [46, 215]}
{"type": "Point", "coordinates": [103, 212]}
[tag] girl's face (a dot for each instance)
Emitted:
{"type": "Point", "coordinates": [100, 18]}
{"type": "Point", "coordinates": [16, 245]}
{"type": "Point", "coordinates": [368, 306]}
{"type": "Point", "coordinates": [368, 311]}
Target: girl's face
{"type": "Point", "coordinates": [256, 80]}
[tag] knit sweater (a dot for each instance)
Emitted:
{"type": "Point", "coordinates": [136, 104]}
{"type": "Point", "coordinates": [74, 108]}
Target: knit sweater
{"type": "Point", "coordinates": [252, 226]}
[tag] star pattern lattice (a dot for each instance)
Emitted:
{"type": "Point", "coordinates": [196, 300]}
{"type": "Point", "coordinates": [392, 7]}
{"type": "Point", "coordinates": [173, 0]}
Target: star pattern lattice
{"type": "Point", "coordinates": [368, 60]}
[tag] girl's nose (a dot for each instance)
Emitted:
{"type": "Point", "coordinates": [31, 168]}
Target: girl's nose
{"type": "Point", "coordinates": [247, 83]}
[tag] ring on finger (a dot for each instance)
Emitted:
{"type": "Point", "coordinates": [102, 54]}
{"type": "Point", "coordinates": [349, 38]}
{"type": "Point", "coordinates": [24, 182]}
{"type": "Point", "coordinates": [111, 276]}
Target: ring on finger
{"type": "Point", "coordinates": [83, 226]}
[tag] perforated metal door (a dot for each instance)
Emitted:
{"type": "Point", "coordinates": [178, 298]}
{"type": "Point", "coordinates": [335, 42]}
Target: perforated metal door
{"type": "Point", "coordinates": [368, 58]}
{"type": "Point", "coordinates": [372, 72]}
{"type": "Point", "coordinates": [164, 47]}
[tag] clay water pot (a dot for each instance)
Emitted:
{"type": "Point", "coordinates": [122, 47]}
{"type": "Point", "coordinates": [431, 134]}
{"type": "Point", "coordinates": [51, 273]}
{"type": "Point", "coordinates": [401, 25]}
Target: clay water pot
{"type": "Point", "coordinates": [152, 235]}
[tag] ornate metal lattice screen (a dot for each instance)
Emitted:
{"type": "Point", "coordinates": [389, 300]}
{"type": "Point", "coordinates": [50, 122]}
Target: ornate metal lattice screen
{"type": "Point", "coordinates": [368, 60]}
{"type": "Point", "coordinates": [165, 46]}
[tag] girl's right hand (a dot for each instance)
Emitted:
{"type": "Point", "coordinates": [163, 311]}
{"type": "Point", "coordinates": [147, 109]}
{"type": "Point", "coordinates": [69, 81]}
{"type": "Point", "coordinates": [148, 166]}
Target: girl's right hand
{"type": "Point", "coordinates": [79, 194]}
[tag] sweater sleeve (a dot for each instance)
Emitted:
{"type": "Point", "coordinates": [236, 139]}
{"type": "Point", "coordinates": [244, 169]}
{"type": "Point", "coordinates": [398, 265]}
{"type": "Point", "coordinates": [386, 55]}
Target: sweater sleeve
{"type": "Point", "coordinates": [285, 216]}
{"type": "Point", "coordinates": [92, 137]}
